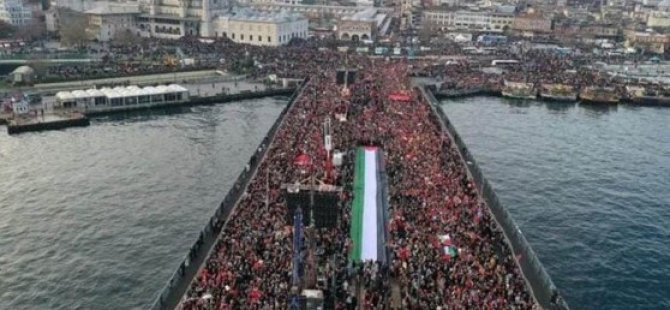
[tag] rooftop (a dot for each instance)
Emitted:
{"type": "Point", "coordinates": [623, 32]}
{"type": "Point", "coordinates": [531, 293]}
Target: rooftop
{"type": "Point", "coordinates": [246, 14]}
{"type": "Point", "coordinates": [111, 9]}
{"type": "Point", "coordinates": [367, 14]}
{"type": "Point", "coordinates": [120, 91]}
{"type": "Point", "coordinates": [23, 70]}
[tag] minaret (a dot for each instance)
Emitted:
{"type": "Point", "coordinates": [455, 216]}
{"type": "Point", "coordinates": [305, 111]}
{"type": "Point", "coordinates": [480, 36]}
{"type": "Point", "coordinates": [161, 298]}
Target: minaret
{"type": "Point", "coordinates": [183, 8]}
{"type": "Point", "coordinates": [152, 12]}
{"type": "Point", "coordinates": [152, 7]}
{"type": "Point", "coordinates": [205, 19]}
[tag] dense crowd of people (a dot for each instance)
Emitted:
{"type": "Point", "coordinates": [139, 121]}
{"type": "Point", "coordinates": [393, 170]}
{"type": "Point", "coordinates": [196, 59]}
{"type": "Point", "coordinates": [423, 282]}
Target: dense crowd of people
{"type": "Point", "coordinates": [430, 197]}
{"type": "Point", "coordinates": [299, 58]}
{"type": "Point", "coordinates": [542, 68]}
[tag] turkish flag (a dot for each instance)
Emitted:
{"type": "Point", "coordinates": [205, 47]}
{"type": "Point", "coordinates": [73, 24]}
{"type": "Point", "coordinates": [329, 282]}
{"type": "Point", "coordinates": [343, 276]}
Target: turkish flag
{"type": "Point", "coordinates": [302, 160]}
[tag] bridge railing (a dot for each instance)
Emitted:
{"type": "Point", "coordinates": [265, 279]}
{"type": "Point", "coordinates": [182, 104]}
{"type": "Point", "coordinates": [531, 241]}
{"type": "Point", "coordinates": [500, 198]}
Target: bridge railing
{"type": "Point", "coordinates": [180, 281]}
{"type": "Point", "coordinates": [543, 289]}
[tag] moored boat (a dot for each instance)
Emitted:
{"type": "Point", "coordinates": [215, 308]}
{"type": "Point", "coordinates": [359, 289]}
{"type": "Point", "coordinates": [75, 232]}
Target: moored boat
{"type": "Point", "coordinates": [558, 92]}
{"type": "Point", "coordinates": [519, 90]}
{"type": "Point", "coordinates": [641, 96]}
{"type": "Point", "coordinates": [599, 95]}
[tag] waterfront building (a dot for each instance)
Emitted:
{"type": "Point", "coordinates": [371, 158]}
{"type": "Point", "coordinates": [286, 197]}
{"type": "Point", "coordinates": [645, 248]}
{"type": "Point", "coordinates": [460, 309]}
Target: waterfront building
{"type": "Point", "coordinates": [602, 31]}
{"type": "Point", "coordinates": [15, 13]}
{"type": "Point", "coordinates": [658, 19]}
{"type": "Point", "coordinates": [270, 1]}
{"type": "Point", "coordinates": [117, 98]}
{"type": "Point", "coordinates": [531, 23]}
{"type": "Point", "coordinates": [313, 11]}
{"type": "Point", "coordinates": [364, 25]}
{"type": "Point", "coordinates": [174, 19]}
{"type": "Point", "coordinates": [651, 41]}
{"type": "Point", "coordinates": [244, 25]}
{"type": "Point", "coordinates": [105, 22]}
{"type": "Point", "coordinates": [497, 19]}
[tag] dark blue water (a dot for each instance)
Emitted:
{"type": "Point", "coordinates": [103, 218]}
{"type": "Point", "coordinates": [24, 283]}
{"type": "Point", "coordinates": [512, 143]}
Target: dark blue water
{"type": "Point", "coordinates": [100, 217]}
{"type": "Point", "coordinates": [590, 189]}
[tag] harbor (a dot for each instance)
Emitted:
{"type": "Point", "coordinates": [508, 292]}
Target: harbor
{"type": "Point", "coordinates": [51, 121]}
{"type": "Point", "coordinates": [218, 155]}
{"type": "Point", "coordinates": [561, 93]}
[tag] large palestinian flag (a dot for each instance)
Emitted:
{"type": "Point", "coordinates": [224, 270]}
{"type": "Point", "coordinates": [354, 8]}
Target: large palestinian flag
{"type": "Point", "coordinates": [369, 207]}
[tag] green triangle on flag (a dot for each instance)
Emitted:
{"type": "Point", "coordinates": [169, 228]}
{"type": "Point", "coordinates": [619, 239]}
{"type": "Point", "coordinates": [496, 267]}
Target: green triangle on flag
{"type": "Point", "coordinates": [452, 251]}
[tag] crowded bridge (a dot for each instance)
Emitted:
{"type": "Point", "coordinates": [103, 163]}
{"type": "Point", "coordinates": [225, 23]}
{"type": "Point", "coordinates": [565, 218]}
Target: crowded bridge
{"type": "Point", "coordinates": [446, 252]}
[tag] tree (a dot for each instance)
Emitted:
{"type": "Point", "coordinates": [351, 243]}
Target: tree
{"type": "Point", "coordinates": [125, 37]}
{"type": "Point", "coordinates": [425, 34]}
{"type": "Point", "coordinates": [506, 30]}
{"type": "Point", "coordinates": [32, 31]}
{"type": "Point", "coordinates": [39, 65]}
{"type": "Point", "coordinates": [73, 28]}
{"type": "Point", "coordinates": [6, 30]}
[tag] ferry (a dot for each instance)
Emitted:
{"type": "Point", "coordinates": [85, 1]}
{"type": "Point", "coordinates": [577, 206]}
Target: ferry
{"type": "Point", "coordinates": [599, 95]}
{"type": "Point", "coordinates": [120, 98]}
{"type": "Point", "coordinates": [642, 96]}
{"type": "Point", "coordinates": [558, 92]}
{"type": "Point", "coordinates": [518, 90]}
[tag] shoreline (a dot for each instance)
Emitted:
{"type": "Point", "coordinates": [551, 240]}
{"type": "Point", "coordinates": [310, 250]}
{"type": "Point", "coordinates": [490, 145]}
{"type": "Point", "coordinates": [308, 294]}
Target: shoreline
{"type": "Point", "coordinates": [81, 119]}
{"type": "Point", "coordinates": [486, 92]}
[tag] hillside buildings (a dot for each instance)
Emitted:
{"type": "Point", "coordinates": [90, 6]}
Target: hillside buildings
{"type": "Point", "coordinates": [173, 19]}
{"type": "Point", "coordinates": [105, 22]}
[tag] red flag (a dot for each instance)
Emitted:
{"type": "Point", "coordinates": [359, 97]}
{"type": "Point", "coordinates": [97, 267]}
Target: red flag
{"type": "Point", "coordinates": [302, 160]}
{"type": "Point", "coordinates": [255, 295]}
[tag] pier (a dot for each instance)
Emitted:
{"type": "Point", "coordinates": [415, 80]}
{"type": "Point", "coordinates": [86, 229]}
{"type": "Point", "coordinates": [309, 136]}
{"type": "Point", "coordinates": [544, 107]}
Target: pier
{"type": "Point", "coordinates": [54, 119]}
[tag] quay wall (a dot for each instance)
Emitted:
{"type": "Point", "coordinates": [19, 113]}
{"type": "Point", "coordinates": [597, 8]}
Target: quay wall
{"type": "Point", "coordinates": [469, 92]}
{"type": "Point", "coordinates": [542, 287]}
{"type": "Point", "coordinates": [180, 281]}
{"type": "Point", "coordinates": [13, 129]}
{"type": "Point", "coordinates": [484, 91]}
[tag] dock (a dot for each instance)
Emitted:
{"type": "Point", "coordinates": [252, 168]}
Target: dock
{"type": "Point", "coordinates": [51, 121]}
{"type": "Point", "coordinates": [441, 94]}
{"type": "Point", "coordinates": [54, 120]}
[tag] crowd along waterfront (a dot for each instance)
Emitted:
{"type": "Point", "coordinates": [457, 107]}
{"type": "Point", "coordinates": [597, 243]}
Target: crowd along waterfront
{"type": "Point", "coordinates": [588, 188]}
{"type": "Point", "coordinates": [97, 217]}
